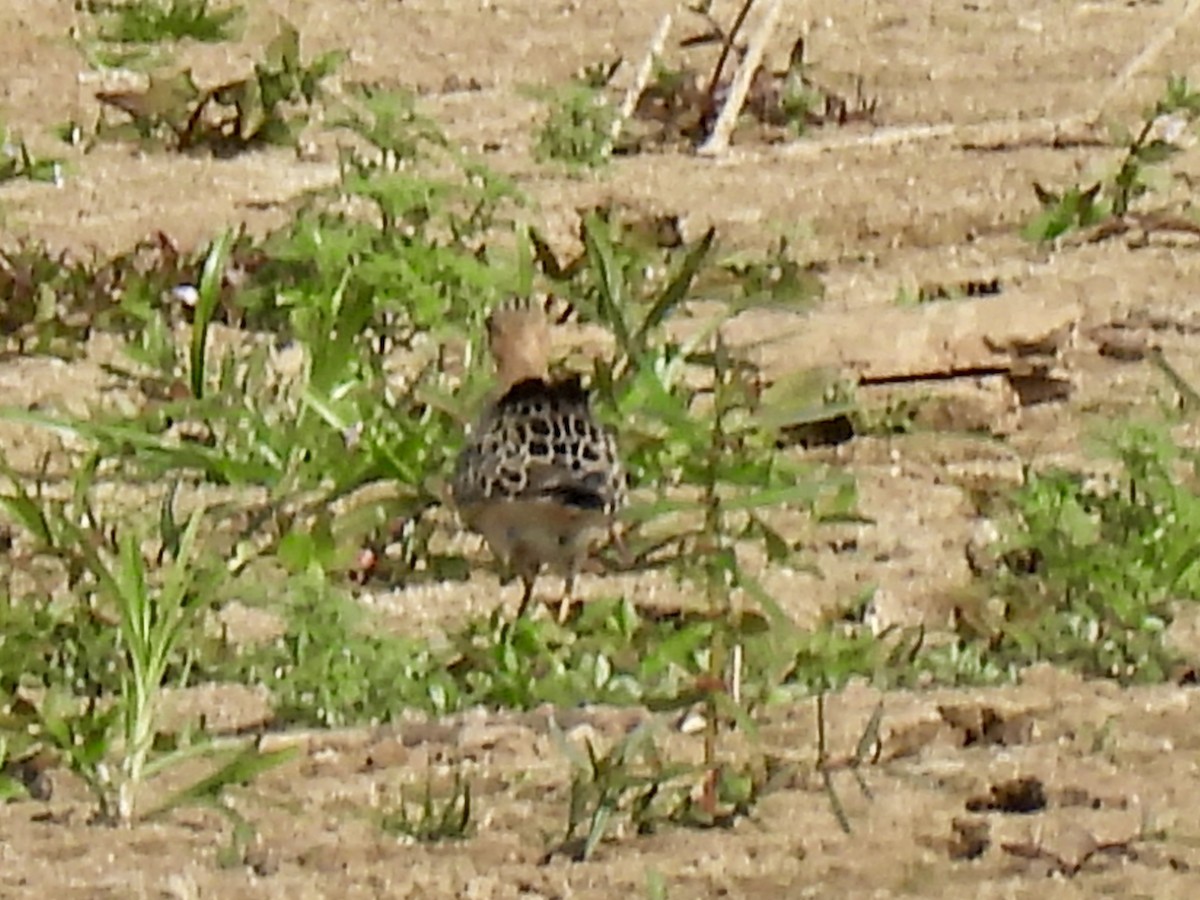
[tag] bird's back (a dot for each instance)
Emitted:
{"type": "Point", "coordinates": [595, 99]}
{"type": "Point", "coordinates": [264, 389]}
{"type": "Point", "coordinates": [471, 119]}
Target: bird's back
{"type": "Point", "coordinates": [540, 443]}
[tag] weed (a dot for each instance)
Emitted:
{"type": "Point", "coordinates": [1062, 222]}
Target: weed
{"type": "Point", "coordinates": [16, 161]}
{"type": "Point", "coordinates": [1109, 201]}
{"type": "Point", "coordinates": [656, 885]}
{"type": "Point", "coordinates": [329, 669]}
{"type": "Point", "coordinates": [54, 300]}
{"type": "Point", "coordinates": [868, 744]}
{"type": "Point", "coordinates": [633, 787]}
{"type": "Point", "coordinates": [269, 107]}
{"type": "Point", "coordinates": [622, 782]}
{"type": "Point", "coordinates": [152, 21]}
{"type": "Point", "coordinates": [99, 712]}
{"type": "Point", "coordinates": [333, 667]}
{"type": "Point", "coordinates": [1095, 564]}
{"type": "Point", "coordinates": [432, 819]}
{"type": "Point", "coordinates": [744, 280]}
{"type": "Point", "coordinates": [653, 269]}
{"type": "Point", "coordinates": [151, 626]}
{"type": "Point", "coordinates": [578, 127]}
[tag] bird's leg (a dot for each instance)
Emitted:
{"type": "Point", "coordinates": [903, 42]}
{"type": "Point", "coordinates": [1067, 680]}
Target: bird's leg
{"type": "Point", "coordinates": [616, 539]}
{"type": "Point", "coordinates": [564, 606]}
{"type": "Point", "coordinates": [527, 596]}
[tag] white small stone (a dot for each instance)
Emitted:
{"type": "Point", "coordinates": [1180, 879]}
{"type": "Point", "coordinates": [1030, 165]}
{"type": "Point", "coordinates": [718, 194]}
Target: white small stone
{"type": "Point", "coordinates": [185, 294]}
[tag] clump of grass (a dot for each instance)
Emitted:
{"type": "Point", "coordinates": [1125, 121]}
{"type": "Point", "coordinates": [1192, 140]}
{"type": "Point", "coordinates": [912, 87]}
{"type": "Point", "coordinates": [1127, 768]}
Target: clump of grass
{"type": "Point", "coordinates": [1095, 565]}
{"type": "Point", "coordinates": [54, 300]}
{"type": "Point", "coordinates": [578, 127]}
{"type": "Point", "coordinates": [16, 162]}
{"type": "Point", "coordinates": [101, 717]}
{"type": "Point", "coordinates": [155, 21]}
{"type": "Point", "coordinates": [653, 259]}
{"type": "Point", "coordinates": [333, 666]}
{"type": "Point", "coordinates": [633, 786]}
{"type": "Point", "coordinates": [432, 818]}
{"type": "Point", "coordinates": [331, 669]}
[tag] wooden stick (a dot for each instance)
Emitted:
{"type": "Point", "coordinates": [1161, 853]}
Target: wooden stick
{"type": "Point", "coordinates": [718, 142]}
{"type": "Point", "coordinates": [640, 79]}
{"type": "Point", "coordinates": [726, 49]}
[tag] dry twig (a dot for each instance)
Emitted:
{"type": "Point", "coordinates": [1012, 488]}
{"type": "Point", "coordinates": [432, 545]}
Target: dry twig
{"type": "Point", "coordinates": [718, 141]}
{"type": "Point", "coordinates": [641, 78]}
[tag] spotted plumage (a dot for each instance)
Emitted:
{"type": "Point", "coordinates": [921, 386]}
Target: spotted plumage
{"type": "Point", "coordinates": [539, 476]}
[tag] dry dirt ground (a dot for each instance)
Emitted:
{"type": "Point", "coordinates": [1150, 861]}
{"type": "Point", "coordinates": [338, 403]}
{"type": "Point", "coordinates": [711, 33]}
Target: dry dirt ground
{"type": "Point", "coordinates": [1118, 767]}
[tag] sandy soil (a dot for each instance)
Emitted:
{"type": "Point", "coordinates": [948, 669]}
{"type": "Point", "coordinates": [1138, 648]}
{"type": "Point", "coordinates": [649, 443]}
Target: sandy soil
{"type": "Point", "coordinates": [1118, 767]}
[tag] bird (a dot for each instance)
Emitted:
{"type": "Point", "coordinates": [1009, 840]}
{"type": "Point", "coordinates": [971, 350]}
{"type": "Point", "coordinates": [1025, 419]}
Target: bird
{"type": "Point", "coordinates": [539, 476]}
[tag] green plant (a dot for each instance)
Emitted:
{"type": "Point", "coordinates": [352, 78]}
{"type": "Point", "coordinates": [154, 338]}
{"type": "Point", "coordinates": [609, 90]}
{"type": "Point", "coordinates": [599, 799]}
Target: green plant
{"type": "Point", "coordinates": [776, 278]}
{"type": "Point", "coordinates": [151, 21]}
{"type": "Point", "coordinates": [578, 126]}
{"type": "Point", "coordinates": [151, 624]}
{"type": "Point", "coordinates": [16, 161]}
{"type": "Point", "coordinates": [650, 269]}
{"type": "Point", "coordinates": [656, 885]}
{"type": "Point", "coordinates": [633, 784]}
{"type": "Point", "coordinates": [98, 710]}
{"type": "Point", "coordinates": [330, 670]}
{"type": "Point", "coordinates": [333, 666]}
{"type": "Point", "coordinates": [1144, 151]}
{"type": "Point", "coordinates": [269, 107]}
{"type": "Point", "coordinates": [55, 299]}
{"type": "Point", "coordinates": [1094, 565]}
{"type": "Point", "coordinates": [432, 819]}
{"type": "Point", "coordinates": [606, 786]}
{"type": "Point", "coordinates": [1073, 208]}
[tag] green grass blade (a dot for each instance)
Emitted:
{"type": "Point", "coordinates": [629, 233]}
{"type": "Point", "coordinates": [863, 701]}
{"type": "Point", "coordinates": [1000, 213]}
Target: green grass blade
{"type": "Point", "coordinates": [25, 509]}
{"type": "Point", "coordinates": [206, 306]}
{"type": "Point", "coordinates": [782, 624]}
{"type": "Point", "coordinates": [180, 575]}
{"type": "Point", "coordinates": [135, 606]}
{"type": "Point", "coordinates": [247, 765]}
{"type": "Point", "coordinates": [799, 493]}
{"type": "Point", "coordinates": [599, 825]}
{"type": "Point", "coordinates": [209, 460]}
{"type": "Point", "coordinates": [677, 290]}
{"type": "Point", "coordinates": [609, 280]}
